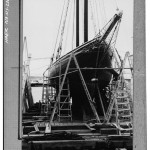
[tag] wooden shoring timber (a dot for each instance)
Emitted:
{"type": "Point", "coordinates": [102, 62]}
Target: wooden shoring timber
{"type": "Point", "coordinates": [88, 68]}
{"type": "Point", "coordinates": [99, 94]}
{"type": "Point", "coordinates": [104, 142]}
{"type": "Point", "coordinates": [60, 89]}
{"type": "Point", "coordinates": [75, 70]}
{"type": "Point", "coordinates": [84, 85]}
{"type": "Point", "coordinates": [86, 90]}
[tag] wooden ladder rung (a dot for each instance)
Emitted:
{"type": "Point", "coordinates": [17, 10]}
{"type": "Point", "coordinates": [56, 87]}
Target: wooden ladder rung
{"type": "Point", "coordinates": [64, 95]}
{"type": "Point", "coordinates": [122, 103]}
{"type": "Point", "coordinates": [125, 116]}
{"type": "Point", "coordinates": [64, 116]}
{"type": "Point", "coordinates": [64, 102]}
{"type": "Point", "coordinates": [124, 109]}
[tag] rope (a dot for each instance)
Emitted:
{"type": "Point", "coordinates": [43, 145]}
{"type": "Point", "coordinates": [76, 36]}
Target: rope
{"type": "Point", "coordinates": [59, 28]}
{"type": "Point", "coordinates": [114, 43]}
{"type": "Point", "coordinates": [104, 28]}
{"type": "Point", "coordinates": [104, 10]}
{"type": "Point", "coordinates": [65, 41]}
{"type": "Point", "coordinates": [93, 19]}
{"type": "Point", "coordinates": [62, 33]}
{"type": "Point", "coordinates": [117, 32]}
{"type": "Point", "coordinates": [99, 62]}
{"type": "Point", "coordinates": [100, 13]}
{"type": "Point", "coordinates": [97, 14]}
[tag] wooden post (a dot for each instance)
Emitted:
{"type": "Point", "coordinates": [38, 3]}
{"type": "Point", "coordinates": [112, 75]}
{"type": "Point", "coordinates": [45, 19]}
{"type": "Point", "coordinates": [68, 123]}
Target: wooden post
{"type": "Point", "coordinates": [77, 23]}
{"type": "Point", "coordinates": [85, 20]}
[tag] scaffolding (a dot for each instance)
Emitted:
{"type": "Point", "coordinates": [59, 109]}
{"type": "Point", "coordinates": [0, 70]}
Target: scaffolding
{"type": "Point", "coordinates": [65, 102]}
{"type": "Point", "coordinates": [119, 111]}
{"type": "Point", "coordinates": [62, 83]}
{"type": "Point", "coordinates": [120, 96]}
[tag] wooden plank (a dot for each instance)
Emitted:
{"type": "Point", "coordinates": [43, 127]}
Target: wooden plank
{"type": "Point", "coordinates": [101, 143]}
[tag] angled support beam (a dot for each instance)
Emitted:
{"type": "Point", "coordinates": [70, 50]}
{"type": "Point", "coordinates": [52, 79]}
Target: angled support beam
{"type": "Point", "coordinates": [99, 94]}
{"type": "Point", "coordinates": [61, 86]}
{"type": "Point", "coordinates": [86, 90]}
{"type": "Point", "coordinates": [84, 85]}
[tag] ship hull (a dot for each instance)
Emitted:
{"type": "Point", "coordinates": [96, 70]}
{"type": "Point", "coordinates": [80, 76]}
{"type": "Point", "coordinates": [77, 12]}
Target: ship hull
{"type": "Point", "coordinates": [93, 61]}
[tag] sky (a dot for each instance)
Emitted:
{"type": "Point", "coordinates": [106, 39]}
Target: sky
{"type": "Point", "coordinates": [41, 20]}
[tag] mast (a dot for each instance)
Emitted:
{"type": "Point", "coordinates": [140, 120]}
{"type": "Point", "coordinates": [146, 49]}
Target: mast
{"type": "Point", "coordinates": [85, 20]}
{"type": "Point", "coordinates": [77, 23]}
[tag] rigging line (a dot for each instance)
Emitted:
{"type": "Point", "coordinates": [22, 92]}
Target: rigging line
{"type": "Point", "coordinates": [114, 43]}
{"type": "Point", "coordinates": [118, 55]}
{"type": "Point", "coordinates": [113, 39]}
{"type": "Point", "coordinates": [59, 28]}
{"type": "Point", "coordinates": [117, 32]}
{"type": "Point", "coordinates": [62, 33]}
{"type": "Point", "coordinates": [64, 22]}
{"type": "Point", "coordinates": [104, 11]}
{"type": "Point", "coordinates": [94, 15]}
{"type": "Point", "coordinates": [108, 46]}
{"type": "Point", "coordinates": [100, 13]}
{"type": "Point", "coordinates": [59, 50]}
{"type": "Point", "coordinates": [104, 28]}
{"type": "Point", "coordinates": [114, 49]}
{"type": "Point", "coordinates": [97, 59]}
{"type": "Point", "coordinates": [97, 14]}
{"type": "Point", "coordinates": [93, 19]}
{"type": "Point", "coordinates": [67, 31]}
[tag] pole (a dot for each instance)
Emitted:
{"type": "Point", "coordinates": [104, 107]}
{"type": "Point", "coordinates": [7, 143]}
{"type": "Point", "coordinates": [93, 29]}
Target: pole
{"type": "Point", "coordinates": [85, 20]}
{"type": "Point", "coordinates": [77, 23]}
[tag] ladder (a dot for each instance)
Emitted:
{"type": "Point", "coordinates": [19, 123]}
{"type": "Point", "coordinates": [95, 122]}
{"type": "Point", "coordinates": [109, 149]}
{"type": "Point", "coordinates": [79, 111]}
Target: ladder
{"type": "Point", "coordinates": [44, 89]}
{"type": "Point", "coordinates": [64, 104]}
{"type": "Point", "coordinates": [123, 109]}
{"type": "Point", "coordinates": [52, 96]}
{"type": "Point", "coordinates": [62, 80]}
{"type": "Point", "coordinates": [119, 111]}
{"type": "Point", "coordinates": [45, 106]}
